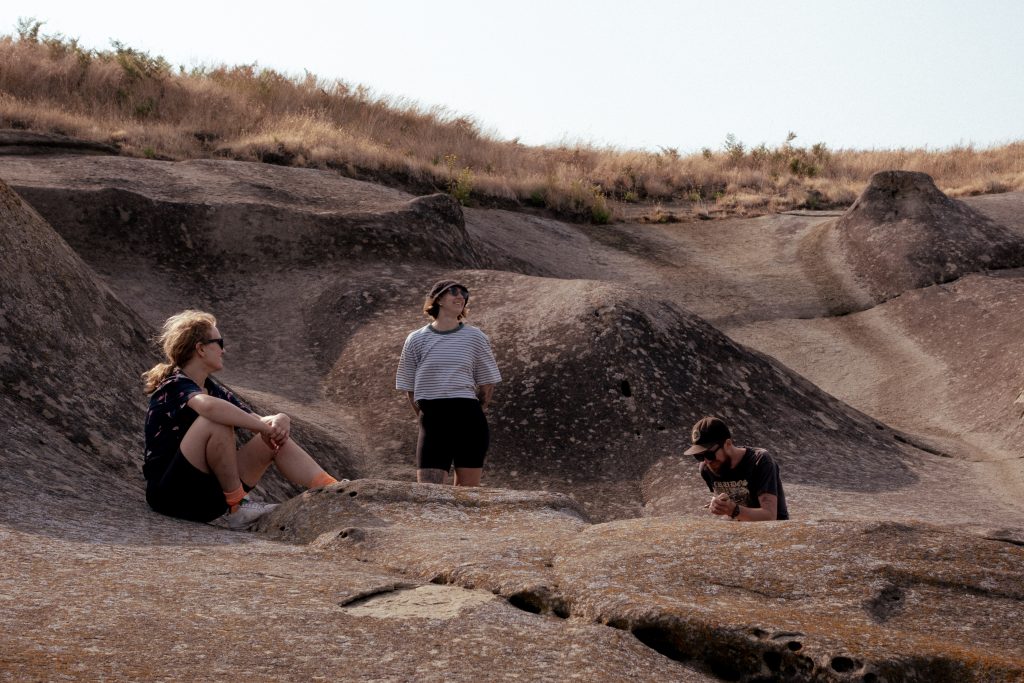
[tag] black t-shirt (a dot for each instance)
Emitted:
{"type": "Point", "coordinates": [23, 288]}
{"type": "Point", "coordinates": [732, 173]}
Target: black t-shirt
{"type": "Point", "coordinates": [169, 417]}
{"type": "Point", "coordinates": [756, 473]}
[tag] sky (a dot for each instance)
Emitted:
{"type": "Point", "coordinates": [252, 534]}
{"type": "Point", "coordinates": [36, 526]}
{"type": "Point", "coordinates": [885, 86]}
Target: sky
{"type": "Point", "coordinates": [861, 74]}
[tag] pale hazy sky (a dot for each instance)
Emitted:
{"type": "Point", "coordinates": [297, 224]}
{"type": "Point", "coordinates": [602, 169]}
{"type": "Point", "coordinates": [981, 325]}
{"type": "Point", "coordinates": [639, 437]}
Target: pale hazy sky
{"type": "Point", "coordinates": [674, 73]}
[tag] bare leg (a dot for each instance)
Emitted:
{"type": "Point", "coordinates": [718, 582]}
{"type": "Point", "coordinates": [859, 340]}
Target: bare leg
{"type": "Point", "coordinates": [431, 476]}
{"type": "Point", "coordinates": [210, 447]}
{"type": "Point", "coordinates": [468, 476]}
{"type": "Point", "coordinates": [295, 464]}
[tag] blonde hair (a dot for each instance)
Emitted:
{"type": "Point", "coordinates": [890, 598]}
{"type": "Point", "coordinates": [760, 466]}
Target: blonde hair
{"type": "Point", "coordinates": [180, 335]}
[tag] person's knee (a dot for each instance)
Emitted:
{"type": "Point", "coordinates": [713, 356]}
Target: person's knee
{"type": "Point", "coordinates": [218, 433]}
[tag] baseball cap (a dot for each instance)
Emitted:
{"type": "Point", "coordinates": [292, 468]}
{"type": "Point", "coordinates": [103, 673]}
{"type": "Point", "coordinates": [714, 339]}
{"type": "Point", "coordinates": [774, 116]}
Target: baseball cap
{"type": "Point", "coordinates": [709, 431]}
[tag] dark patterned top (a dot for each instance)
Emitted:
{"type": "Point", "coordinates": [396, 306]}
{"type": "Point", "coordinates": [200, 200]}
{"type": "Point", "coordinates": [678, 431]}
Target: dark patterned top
{"type": "Point", "coordinates": [755, 474]}
{"type": "Point", "coordinates": [169, 417]}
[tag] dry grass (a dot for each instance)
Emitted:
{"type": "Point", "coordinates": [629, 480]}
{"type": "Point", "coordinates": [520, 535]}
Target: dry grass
{"type": "Point", "coordinates": [241, 112]}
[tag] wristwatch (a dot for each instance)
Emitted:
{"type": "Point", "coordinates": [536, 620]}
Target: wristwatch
{"type": "Point", "coordinates": [735, 512]}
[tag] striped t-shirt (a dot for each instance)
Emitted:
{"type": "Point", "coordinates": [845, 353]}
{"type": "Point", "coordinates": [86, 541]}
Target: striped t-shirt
{"type": "Point", "coordinates": [446, 364]}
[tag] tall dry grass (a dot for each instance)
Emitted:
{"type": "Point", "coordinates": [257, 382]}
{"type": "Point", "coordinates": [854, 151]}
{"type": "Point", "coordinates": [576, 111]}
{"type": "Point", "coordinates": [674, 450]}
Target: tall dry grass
{"type": "Point", "coordinates": [149, 108]}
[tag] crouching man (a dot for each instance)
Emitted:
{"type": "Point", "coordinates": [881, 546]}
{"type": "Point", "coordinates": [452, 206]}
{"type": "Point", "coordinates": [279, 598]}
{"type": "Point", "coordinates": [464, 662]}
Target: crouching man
{"type": "Point", "coordinates": [745, 481]}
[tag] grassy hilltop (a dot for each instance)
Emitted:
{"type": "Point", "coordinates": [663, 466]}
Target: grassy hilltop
{"type": "Point", "coordinates": [151, 108]}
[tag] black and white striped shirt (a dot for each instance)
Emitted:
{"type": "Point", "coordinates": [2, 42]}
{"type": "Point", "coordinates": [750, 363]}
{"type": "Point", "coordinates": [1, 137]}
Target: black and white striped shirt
{"type": "Point", "coordinates": [448, 364]}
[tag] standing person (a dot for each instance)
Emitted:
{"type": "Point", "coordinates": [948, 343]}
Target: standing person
{"type": "Point", "coordinates": [448, 371]}
{"type": "Point", "coordinates": [745, 481]}
{"type": "Point", "coordinates": [192, 468]}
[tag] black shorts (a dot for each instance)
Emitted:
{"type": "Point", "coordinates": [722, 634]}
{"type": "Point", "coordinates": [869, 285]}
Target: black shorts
{"type": "Point", "coordinates": [452, 430]}
{"type": "Point", "coordinates": [183, 491]}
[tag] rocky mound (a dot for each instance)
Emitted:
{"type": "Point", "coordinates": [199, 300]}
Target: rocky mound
{"type": "Point", "coordinates": [903, 233]}
{"type": "Point", "coordinates": [599, 384]}
{"type": "Point", "coordinates": [70, 357]}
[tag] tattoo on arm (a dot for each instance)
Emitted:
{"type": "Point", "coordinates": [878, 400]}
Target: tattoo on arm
{"type": "Point", "coordinates": [770, 503]}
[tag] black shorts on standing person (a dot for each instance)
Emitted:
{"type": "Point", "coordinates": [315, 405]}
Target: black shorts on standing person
{"type": "Point", "coordinates": [453, 431]}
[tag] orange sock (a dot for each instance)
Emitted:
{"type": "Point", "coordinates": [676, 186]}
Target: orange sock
{"type": "Point", "coordinates": [234, 498]}
{"type": "Point", "coordinates": [322, 479]}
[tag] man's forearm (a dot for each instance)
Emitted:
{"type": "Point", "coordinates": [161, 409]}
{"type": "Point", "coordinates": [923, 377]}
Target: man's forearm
{"type": "Point", "coordinates": [755, 515]}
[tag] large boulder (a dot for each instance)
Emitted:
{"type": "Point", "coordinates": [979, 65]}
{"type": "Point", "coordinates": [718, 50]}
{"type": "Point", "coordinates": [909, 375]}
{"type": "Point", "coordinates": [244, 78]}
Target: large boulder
{"type": "Point", "coordinates": [903, 233]}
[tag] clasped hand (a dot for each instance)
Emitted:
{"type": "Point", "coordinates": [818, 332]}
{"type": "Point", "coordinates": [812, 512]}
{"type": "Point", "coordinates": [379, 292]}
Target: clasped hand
{"type": "Point", "coordinates": [720, 505]}
{"type": "Point", "coordinates": [278, 428]}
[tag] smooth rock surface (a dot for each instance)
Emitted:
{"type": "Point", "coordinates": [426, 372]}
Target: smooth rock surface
{"type": "Point", "coordinates": [595, 560]}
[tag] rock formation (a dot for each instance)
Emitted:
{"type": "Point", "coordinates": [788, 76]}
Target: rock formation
{"type": "Point", "coordinates": [593, 559]}
{"type": "Point", "coordinates": [902, 233]}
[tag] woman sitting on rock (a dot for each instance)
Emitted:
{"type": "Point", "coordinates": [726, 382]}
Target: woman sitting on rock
{"type": "Point", "coordinates": [448, 370]}
{"type": "Point", "coordinates": [192, 468]}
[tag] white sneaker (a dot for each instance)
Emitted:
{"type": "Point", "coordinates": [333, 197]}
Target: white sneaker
{"type": "Point", "coordinates": [247, 514]}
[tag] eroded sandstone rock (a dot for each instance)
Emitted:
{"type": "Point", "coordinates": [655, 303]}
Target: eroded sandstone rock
{"type": "Point", "coordinates": [587, 363]}
{"type": "Point", "coordinates": [903, 233]}
{"type": "Point", "coordinates": [70, 350]}
{"type": "Point", "coordinates": [833, 601]}
{"type": "Point", "coordinates": [205, 216]}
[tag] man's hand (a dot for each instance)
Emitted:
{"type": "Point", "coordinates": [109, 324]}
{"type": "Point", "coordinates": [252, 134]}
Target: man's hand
{"type": "Point", "coordinates": [721, 505]}
{"type": "Point", "coordinates": [278, 429]}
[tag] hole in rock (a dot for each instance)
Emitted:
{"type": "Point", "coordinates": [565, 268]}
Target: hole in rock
{"type": "Point", "coordinates": [725, 668]}
{"type": "Point", "coordinates": [625, 389]}
{"type": "Point", "coordinates": [794, 645]}
{"type": "Point", "coordinates": [773, 660]}
{"type": "Point", "coordinates": [352, 533]}
{"type": "Point", "coordinates": [870, 678]}
{"type": "Point", "coordinates": [353, 493]}
{"type": "Point", "coordinates": [660, 640]}
{"type": "Point", "coordinates": [842, 664]}
{"type": "Point", "coordinates": [527, 601]}
{"type": "Point", "coordinates": [561, 611]}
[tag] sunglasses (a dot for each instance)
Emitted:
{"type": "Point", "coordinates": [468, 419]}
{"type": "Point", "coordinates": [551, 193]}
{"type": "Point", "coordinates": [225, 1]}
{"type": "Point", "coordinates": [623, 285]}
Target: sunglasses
{"type": "Point", "coordinates": [455, 290]}
{"type": "Point", "coordinates": [709, 454]}
{"type": "Point", "coordinates": [219, 341]}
